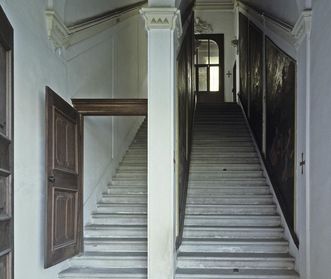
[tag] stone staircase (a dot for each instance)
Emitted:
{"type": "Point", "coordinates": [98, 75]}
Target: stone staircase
{"type": "Point", "coordinates": [232, 229]}
{"type": "Point", "coordinates": [115, 242]}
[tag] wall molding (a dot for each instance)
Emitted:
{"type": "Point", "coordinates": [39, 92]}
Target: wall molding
{"type": "Point", "coordinates": [163, 18]}
{"type": "Point", "coordinates": [293, 34]}
{"type": "Point", "coordinates": [63, 36]}
{"type": "Point", "coordinates": [226, 5]}
{"type": "Point", "coordinates": [302, 28]}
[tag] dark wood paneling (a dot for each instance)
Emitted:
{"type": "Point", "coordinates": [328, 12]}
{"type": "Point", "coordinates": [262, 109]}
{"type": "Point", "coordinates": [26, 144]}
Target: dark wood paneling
{"type": "Point", "coordinates": [256, 82]}
{"type": "Point", "coordinates": [64, 185]}
{"type": "Point", "coordinates": [6, 149]}
{"type": "Point", "coordinates": [111, 107]}
{"type": "Point", "coordinates": [280, 152]}
{"type": "Point", "coordinates": [243, 61]}
{"type": "Point", "coordinates": [186, 106]}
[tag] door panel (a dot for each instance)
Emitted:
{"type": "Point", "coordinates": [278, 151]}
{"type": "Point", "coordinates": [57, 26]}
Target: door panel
{"type": "Point", "coordinates": [209, 64]}
{"type": "Point", "coordinates": [64, 183]}
{"type": "Point", "coordinates": [6, 148]}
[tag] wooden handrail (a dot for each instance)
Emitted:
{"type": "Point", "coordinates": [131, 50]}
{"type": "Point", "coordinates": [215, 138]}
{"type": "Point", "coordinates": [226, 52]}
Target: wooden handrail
{"type": "Point", "coordinates": [111, 107]}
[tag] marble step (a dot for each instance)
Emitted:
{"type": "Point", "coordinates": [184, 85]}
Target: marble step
{"type": "Point", "coordinates": [115, 231]}
{"type": "Point", "coordinates": [115, 245]}
{"type": "Point", "coordinates": [111, 260]}
{"type": "Point", "coordinates": [210, 245]}
{"type": "Point", "coordinates": [238, 209]}
{"type": "Point", "coordinates": [122, 208]}
{"type": "Point", "coordinates": [218, 190]}
{"type": "Point", "coordinates": [118, 219]}
{"type": "Point", "coordinates": [233, 220]}
{"type": "Point", "coordinates": [235, 232]}
{"type": "Point", "coordinates": [225, 173]}
{"type": "Point", "coordinates": [123, 190]}
{"type": "Point", "coordinates": [104, 273]}
{"type": "Point", "coordinates": [201, 273]}
{"type": "Point", "coordinates": [234, 260]}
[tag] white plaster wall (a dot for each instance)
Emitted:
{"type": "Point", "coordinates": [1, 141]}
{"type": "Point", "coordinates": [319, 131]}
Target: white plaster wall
{"type": "Point", "coordinates": [77, 10]}
{"type": "Point", "coordinates": [87, 70]}
{"type": "Point", "coordinates": [223, 23]}
{"type": "Point", "coordinates": [35, 65]}
{"type": "Point", "coordinates": [111, 65]}
{"type": "Point", "coordinates": [320, 136]}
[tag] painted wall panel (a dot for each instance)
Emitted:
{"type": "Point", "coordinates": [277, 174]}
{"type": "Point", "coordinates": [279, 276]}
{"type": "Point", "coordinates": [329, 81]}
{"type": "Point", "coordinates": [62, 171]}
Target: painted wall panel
{"type": "Point", "coordinates": [280, 151]}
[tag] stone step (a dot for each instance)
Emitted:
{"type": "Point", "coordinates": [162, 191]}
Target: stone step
{"type": "Point", "coordinates": [115, 245]}
{"type": "Point", "coordinates": [111, 260]}
{"type": "Point", "coordinates": [115, 231]}
{"type": "Point", "coordinates": [233, 220]}
{"type": "Point", "coordinates": [231, 200]}
{"type": "Point", "coordinates": [201, 273]}
{"type": "Point", "coordinates": [204, 191]}
{"type": "Point", "coordinates": [125, 198]}
{"type": "Point", "coordinates": [210, 168]}
{"type": "Point", "coordinates": [118, 219]}
{"type": "Point", "coordinates": [104, 273]}
{"type": "Point", "coordinates": [129, 181]}
{"type": "Point", "coordinates": [122, 190]}
{"type": "Point", "coordinates": [233, 232]}
{"type": "Point", "coordinates": [210, 245]}
{"type": "Point", "coordinates": [230, 209]}
{"type": "Point", "coordinates": [122, 208]}
{"type": "Point", "coordinates": [228, 181]}
{"type": "Point", "coordinates": [226, 173]}
{"type": "Point", "coordinates": [234, 260]}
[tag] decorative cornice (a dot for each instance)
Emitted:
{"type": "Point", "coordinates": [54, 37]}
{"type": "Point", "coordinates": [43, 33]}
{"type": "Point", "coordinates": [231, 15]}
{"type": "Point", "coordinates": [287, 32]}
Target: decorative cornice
{"type": "Point", "coordinates": [293, 34]}
{"type": "Point", "coordinates": [226, 5]}
{"type": "Point", "coordinates": [302, 28]}
{"type": "Point", "coordinates": [64, 36]}
{"type": "Point", "coordinates": [202, 26]}
{"type": "Point", "coordinates": [162, 18]}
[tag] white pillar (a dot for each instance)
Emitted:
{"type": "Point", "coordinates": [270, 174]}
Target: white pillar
{"type": "Point", "coordinates": [163, 26]}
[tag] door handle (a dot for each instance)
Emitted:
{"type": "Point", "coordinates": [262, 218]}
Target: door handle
{"type": "Point", "coordinates": [51, 179]}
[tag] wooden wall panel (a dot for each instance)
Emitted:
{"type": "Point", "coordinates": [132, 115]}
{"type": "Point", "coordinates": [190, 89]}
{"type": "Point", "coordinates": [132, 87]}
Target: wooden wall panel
{"type": "Point", "coordinates": [256, 82]}
{"type": "Point", "coordinates": [186, 104]}
{"type": "Point", "coordinates": [243, 61]}
{"type": "Point", "coordinates": [280, 153]}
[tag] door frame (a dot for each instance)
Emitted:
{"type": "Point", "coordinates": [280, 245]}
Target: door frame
{"type": "Point", "coordinates": [85, 107]}
{"type": "Point", "coordinates": [219, 39]}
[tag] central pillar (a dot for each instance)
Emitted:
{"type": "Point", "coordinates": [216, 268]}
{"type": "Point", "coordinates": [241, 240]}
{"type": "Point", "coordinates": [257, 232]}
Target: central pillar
{"type": "Point", "coordinates": [163, 26]}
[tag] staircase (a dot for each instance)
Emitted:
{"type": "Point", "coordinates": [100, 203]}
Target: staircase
{"type": "Point", "coordinates": [115, 241]}
{"type": "Point", "coordinates": [232, 229]}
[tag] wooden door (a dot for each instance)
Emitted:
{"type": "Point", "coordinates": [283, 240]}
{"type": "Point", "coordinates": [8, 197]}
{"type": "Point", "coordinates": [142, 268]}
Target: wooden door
{"type": "Point", "coordinates": [209, 63]}
{"type": "Point", "coordinates": [64, 180]}
{"type": "Point", "coordinates": [6, 149]}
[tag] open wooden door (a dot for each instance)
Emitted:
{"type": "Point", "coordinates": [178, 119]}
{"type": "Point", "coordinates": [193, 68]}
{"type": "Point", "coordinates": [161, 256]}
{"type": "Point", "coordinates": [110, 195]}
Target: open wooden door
{"type": "Point", "coordinates": [64, 223]}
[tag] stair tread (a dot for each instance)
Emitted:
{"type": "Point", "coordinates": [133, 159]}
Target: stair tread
{"type": "Point", "coordinates": [103, 271]}
{"type": "Point", "coordinates": [244, 272]}
{"type": "Point", "coordinates": [223, 255]}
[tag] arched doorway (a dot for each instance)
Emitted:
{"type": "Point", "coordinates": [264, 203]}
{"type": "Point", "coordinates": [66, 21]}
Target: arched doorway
{"type": "Point", "coordinates": [209, 64]}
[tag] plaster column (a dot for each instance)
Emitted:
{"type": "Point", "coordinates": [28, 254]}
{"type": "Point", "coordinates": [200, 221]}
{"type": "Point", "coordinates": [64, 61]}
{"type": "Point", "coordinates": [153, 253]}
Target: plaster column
{"type": "Point", "coordinates": [164, 27]}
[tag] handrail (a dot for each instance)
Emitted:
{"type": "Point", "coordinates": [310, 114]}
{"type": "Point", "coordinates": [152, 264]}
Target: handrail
{"type": "Point", "coordinates": [111, 107]}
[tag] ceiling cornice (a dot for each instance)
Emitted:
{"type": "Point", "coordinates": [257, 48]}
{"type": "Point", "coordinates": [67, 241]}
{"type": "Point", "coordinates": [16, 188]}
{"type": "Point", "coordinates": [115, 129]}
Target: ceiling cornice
{"type": "Point", "coordinates": [63, 36]}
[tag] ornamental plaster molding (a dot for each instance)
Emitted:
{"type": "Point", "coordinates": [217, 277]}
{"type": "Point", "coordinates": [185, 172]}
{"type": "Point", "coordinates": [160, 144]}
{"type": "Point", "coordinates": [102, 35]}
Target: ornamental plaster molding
{"type": "Point", "coordinates": [63, 36]}
{"type": "Point", "coordinates": [292, 34]}
{"type": "Point", "coordinates": [302, 28]}
{"type": "Point", "coordinates": [202, 26]}
{"type": "Point", "coordinates": [162, 18]}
